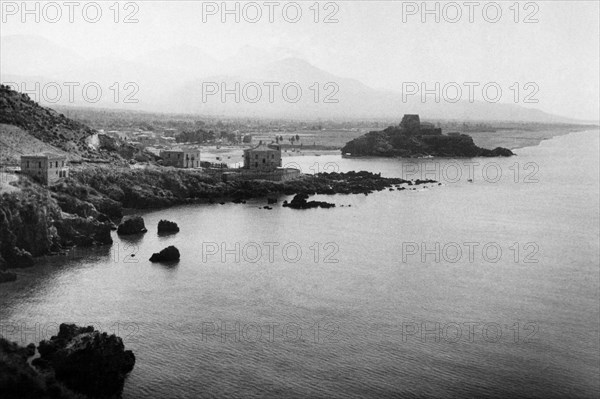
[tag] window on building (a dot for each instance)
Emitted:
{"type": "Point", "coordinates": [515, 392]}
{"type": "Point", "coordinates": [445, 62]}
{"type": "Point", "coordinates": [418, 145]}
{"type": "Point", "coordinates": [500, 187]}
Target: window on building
{"type": "Point", "coordinates": [264, 160]}
{"type": "Point", "coordinates": [40, 164]}
{"type": "Point", "coordinates": [256, 164]}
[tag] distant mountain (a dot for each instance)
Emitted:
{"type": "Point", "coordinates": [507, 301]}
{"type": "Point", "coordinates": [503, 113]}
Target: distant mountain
{"type": "Point", "coordinates": [325, 95]}
{"type": "Point", "coordinates": [254, 56]}
{"type": "Point", "coordinates": [186, 62]}
{"type": "Point", "coordinates": [176, 80]}
{"type": "Point", "coordinates": [301, 98]}
{"type": "Point", "coordinates": [34, 55]}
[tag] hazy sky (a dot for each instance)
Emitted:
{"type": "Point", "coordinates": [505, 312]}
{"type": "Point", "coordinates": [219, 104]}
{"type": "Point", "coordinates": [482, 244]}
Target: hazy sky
{"type": "Point", "coordinates": [370, 41]}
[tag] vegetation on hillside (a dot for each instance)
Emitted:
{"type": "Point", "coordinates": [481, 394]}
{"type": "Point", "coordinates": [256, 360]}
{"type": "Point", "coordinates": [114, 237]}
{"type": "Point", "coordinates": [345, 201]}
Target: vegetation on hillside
{"type": "Point", "coordinates": [45, 124]}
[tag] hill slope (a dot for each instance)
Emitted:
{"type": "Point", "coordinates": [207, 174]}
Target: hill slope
{"type": "Point", "coordinates": [15, 142]}
{"type": "Point", "coordinates": [26, 128]}
{"type": "Point", "coordinates": [44, 124]}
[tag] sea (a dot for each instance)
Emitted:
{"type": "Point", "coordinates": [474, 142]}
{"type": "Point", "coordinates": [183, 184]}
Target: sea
{"type": "Point", "coordinates": [483, 284]}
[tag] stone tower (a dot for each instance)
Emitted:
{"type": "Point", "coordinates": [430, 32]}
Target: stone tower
{"type": "Point", "coordinates": [411, 122]}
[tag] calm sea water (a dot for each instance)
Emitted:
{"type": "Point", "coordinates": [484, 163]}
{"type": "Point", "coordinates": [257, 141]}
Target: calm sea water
{"type": "Point", "coordinates": [487, 288]}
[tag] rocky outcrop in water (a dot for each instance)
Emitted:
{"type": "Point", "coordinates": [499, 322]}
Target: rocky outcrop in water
{"type": "Point", "coordinates": [132, 225]}
{"type": "Point", "coordinates": [83, 232]}
{"type": "Point", "coordinates": [300, 201]}
{"type": "Point", "coordinates": [413, 139]}
{"type": "Point", "coordinates": [86, 360]}
{"type": "Point", "coordinates": [167, 227]}
{"type": "Point", "coordinates": [169, 254]}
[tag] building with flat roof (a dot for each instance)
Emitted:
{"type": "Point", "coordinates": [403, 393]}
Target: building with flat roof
{"type": "Point", "coordinates": [47, 167]}
{"type": "Point", "coordinates": [262, 157]}
{"type": "Point", "coordinates": [181, 158]}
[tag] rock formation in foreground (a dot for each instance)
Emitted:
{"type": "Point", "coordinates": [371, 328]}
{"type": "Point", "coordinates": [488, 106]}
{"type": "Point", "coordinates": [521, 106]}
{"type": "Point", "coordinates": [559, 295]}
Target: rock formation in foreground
{"type": "Point", "coordinates": [132, 225]}
{"type": "Point", "coordinates": [7, 277]}
{"type": "Point", "coordinates": [18, 380]}
{"type": "Point", "coordinates": [86, 360]}
{"type": "Point", "coordinates": [413, 139]}
{"type": "Point", "coordinates": [167, 227]}
{"type": "Point", "coordinates": [78, 363]}
{"type": "Point", "coordinates": [169, 254]}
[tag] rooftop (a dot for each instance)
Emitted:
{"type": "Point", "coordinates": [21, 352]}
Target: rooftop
{"type": "Point", "coordinates": [262, 147]}
{"type": "Point", "coordinates": [49, 155]}
{"type": "Point", "coordinates": [181, 150]}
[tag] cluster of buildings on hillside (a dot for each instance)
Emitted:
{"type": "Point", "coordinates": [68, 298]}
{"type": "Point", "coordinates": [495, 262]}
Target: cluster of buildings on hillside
{"type": "Point", "coordinates": [260, 162]}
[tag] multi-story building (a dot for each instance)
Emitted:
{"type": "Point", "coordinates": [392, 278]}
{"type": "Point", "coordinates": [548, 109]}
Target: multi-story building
{"type": "Point", "coordinates": [262, 157]}
{"type": "Point", "coordinates": [47, 168]}
{"type": "Point", "coordinates": [186, 158]}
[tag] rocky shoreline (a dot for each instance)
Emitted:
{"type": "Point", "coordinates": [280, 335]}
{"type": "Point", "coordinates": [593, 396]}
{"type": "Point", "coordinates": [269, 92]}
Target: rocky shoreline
{"type": "Point", "coordinates": [33, 223]}
{"type": "Point", "coordinates": [83, 210]}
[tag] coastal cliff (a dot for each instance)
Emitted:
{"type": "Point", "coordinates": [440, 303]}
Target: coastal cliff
{"type": "Point", "coordinates": [32, 223]}
{"type": "Point", "coordinates": [413, 139]}
{"type": "Point", "coordinates": [82, 210]}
